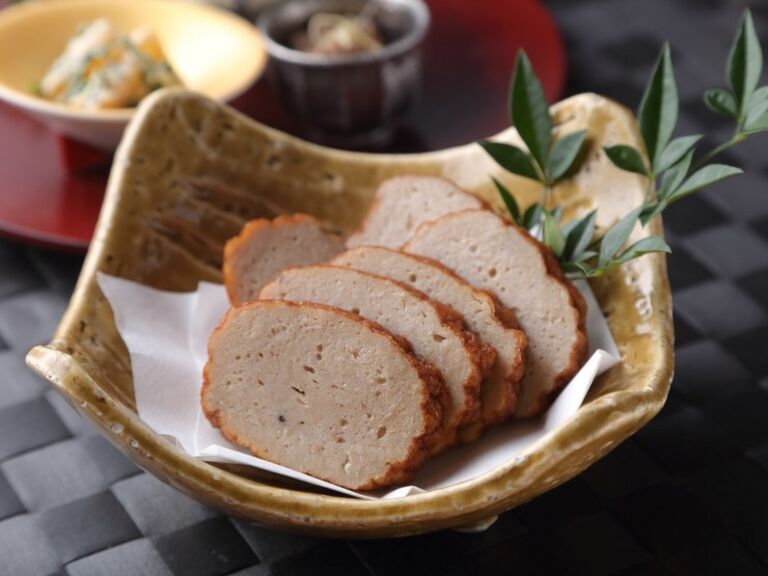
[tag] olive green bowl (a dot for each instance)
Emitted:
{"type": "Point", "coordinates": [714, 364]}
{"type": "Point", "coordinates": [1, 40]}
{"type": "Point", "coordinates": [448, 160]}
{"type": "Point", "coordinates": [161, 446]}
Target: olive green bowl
{"type": "Point", "coordinates": [189, 172]}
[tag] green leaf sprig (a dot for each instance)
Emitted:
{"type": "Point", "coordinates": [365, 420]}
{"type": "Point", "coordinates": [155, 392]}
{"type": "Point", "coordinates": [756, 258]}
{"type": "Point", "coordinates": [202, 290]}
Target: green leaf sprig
{"type": "Point", "coordinates": [547, 161]}
{"type": "Point", "coordinates": [672, 160]}
{"type": "Point", "coordinates": [579, 252]}
{"type": "Point", "coordinates": [666, 162]}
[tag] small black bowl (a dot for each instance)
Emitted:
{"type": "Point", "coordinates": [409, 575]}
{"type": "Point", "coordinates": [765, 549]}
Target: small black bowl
{"type": "Point", "coordinates": [347, 100]}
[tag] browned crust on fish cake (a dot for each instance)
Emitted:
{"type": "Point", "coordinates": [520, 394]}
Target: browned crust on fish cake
{"type": "Point", "coordinates": [246, 236]}
{"type": "Point", "coordinates": [508, 318]}
{"type": "Point", "coordinates": [580, 347]}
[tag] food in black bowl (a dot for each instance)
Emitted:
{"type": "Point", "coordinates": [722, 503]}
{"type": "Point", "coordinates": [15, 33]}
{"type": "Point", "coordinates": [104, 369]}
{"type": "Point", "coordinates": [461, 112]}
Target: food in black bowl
{"type": "Point", "coordinates": [337, 34]}
{"type": "Point", "coordinates": [348, 68]}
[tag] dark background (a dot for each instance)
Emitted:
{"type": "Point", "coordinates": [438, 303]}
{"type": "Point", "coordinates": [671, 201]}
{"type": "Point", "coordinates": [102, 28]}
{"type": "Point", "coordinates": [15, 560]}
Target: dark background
{"type": "Point", "coordinates": [687, 495]}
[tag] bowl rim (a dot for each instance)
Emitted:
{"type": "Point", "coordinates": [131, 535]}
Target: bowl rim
{"type": "Point", "coordinates": [411, 39]}
{"type": "Point", "coordinates": [58, 110]}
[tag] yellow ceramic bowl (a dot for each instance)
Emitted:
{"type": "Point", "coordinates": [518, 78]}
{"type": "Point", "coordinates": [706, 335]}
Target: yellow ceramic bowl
{"type": "Point", "coordinates": [213, 51]}
{"type": "Point", "coordinates": [187, 176]}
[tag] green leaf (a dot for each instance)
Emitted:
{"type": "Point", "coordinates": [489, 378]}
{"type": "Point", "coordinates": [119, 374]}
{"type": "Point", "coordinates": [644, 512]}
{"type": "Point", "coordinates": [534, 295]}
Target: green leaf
{"type": "Point", "coordinates": [571, 267]}
{"type": "Point", "coordinates": [658, 108]}
{"type": "Point", "coordinates": [756, 119]}
{"type": "Point", "coordinates": [511, 158]}
{"type": "Point", "coordinates": [579, 236]}
{"type": "Point", "coordinates": [532, 216]}
{"type": "Point", "coordinates": [563, 154]}
{"type": "Point", "coordinates": [626, 158]}
{"type": "Point", "coordinates": [745, 63]}
{"type": "Point", "coordinates": [676, 150]}
{"type": "Point", "coordinates": [643, 246]}
{"type": "Point", "coordinates": [757, 125]}
{"type": "Point", "coordinates": [578, 269]}
{"type": "Point", "coordinates": [586, 255]}
{"type": "Point", "coordinates": [758, 96]}
{"type": "Point", "coordinates": [670, 182]}
{"type": "Point", "coordinates": [529, 110]}
{"type": "Point", "coordinates": [552, 235]}
{"type": "Point", "coordinates": [703, 177]}
{"type": "Point", "coordinates": [649, 211]}
{"type": "Point", "coordinates": [509, 202]}
{"type": "Point", "coordinates": [721, 102]}
{"type": "Point", "coordinates": [674, 177]}
{"type": "Point", "coordinates": [568, 227]}
{"type": "Point", "coordinates": [616, 237]}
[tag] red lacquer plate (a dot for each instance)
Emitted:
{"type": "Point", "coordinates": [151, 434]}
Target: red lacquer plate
{"type": "Point", "coordinates": [51, 190]}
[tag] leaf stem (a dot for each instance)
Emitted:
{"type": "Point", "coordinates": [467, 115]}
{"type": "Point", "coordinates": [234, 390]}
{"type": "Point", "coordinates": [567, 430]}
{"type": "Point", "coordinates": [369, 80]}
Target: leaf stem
{"type": "Point", "coordinates": [651, 181]}
{"type": "Point", "coordinates": [546, 194]}
{"type": "Point", "coordinates": [544, 202]}
{"type": "Point", "coordinates": [737, 137]}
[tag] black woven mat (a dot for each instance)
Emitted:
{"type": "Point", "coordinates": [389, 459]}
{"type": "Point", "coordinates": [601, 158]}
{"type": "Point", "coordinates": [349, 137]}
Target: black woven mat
{"type": "Point", "coordinates": [687, 495]}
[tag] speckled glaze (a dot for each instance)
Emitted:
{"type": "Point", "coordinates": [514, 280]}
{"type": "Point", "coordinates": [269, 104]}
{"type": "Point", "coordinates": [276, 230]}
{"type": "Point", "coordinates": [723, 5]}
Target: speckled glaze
{"type": "Point", "coordinates": [190, 172]}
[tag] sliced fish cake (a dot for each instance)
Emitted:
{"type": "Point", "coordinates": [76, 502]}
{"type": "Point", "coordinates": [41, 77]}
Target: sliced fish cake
{"type": "Point", "coordinates": [321, 391]}
{"type": "Point", "coordinates": [492, 254]}
{"type": "Point", "coordinates": [264, 248]}
{"type": "Point", "coordinates": [481, 313]}
{"type": "Point", "coordinates": [403, 203]}
{"type": "Point", "coordinates": [436, 334]}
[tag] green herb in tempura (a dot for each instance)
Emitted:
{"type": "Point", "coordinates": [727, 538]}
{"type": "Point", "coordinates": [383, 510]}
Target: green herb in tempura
{"type": "Point", "coordinates": [667, 162]}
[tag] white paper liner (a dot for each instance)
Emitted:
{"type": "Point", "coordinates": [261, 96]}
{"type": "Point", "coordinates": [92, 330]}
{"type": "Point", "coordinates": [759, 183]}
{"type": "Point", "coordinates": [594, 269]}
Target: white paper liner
{"type": "Point", "coordinates": [166, 334]}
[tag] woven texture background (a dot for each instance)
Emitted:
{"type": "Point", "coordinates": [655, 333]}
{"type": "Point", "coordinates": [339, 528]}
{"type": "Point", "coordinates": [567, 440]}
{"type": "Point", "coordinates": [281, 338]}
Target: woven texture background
{"type": "Point", "coordinates": [687, 495]}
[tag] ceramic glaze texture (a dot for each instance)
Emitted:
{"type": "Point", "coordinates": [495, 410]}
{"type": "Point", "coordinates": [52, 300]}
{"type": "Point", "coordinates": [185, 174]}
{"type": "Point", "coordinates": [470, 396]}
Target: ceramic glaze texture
{"type": "Point", "coordinates": [190, 172]}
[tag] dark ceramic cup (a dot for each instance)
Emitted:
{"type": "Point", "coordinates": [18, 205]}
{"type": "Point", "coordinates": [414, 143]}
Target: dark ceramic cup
{"type": "Point", "coordinates": [350, 100]}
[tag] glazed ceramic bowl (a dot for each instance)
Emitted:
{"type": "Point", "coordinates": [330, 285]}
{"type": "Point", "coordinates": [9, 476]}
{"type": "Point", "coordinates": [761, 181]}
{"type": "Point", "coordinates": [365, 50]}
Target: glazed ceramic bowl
{"type": "Point", "coordinates": [213, 51]}
{"type": "Point", "coordinates": [187, 176]}
{"type": "Point", "coordinates": [348, 100]}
